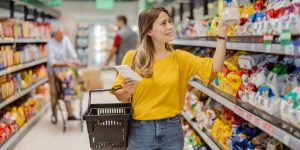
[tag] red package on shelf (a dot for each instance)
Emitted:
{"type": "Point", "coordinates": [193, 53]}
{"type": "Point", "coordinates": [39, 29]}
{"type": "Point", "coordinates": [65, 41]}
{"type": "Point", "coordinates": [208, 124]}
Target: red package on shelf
{"type": "Point", "coordinates": [270, 14]}
{"type": "Point", "coordinates": [259, 5]}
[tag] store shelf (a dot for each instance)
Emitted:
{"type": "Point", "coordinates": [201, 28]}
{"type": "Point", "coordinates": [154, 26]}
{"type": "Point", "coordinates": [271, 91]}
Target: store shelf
{"type": "Point", "coordinates": [13, 41]}
{"type": "Point", "coordinates": [268, 127]}
{"type": "Point", "coordinates": [11, 142]}
{"type": "Point", "coordinates": [36, 5]}
{"type": "Point", "coordinates": [252, 47]}
{"type": "Point", "coordinates": [22, 66]}
{"type": "Point", "coordinates": [203, 135]}
{"type": "Point", "coordinates": [24, 92]}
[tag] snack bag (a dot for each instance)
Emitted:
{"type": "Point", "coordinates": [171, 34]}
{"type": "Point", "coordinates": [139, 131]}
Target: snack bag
{"type": "Point", "coordinates": [231, 12]}
{"type": "Point", "coordinates": [289, 107]}
{"type": "Point", "coordinates": [293, 111]}
{"type": "Point", "coordinates": [234, 80]}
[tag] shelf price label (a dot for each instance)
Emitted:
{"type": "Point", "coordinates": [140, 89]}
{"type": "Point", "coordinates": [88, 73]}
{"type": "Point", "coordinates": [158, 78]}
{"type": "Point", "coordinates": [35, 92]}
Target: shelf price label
{"type": "Point", "coordinates": [249, 117]}
{"type": "Point", "coordinates": [239, 110]}
{"type": "Point", "coordinates": [267, 127]}
{"type": "Point", "coordinates": [257, 121]}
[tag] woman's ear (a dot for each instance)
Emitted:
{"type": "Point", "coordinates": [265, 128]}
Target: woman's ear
{"type": "Point", "coordinates": [149, 33]}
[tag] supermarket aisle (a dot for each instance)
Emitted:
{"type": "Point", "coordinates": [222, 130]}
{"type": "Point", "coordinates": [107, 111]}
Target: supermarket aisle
{"type": "Point", "coordinates": [45, 136]}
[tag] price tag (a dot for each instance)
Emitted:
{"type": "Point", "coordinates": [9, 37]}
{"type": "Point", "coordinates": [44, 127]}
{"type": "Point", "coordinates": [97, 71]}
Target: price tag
{"type": "Point", "coordinates": [257, 121]}
{"type": "Point", "coordinates": [268, 37]}
{"type": "Point", "coordinates": [239, 110]}
{"type": "Point", "coordinates": [249, 117]}
{"type": "Point", "coordinates": [286, 139]}
{"type": "Point", "coordinates": [267, 127]}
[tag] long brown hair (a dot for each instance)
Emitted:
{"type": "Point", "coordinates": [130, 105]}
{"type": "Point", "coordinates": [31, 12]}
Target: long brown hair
{"type": "Point", "coordinates": [144, 57]}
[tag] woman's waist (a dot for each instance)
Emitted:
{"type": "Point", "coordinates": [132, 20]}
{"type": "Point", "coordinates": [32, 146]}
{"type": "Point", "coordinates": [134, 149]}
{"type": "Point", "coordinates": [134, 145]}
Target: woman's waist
{"type": "Point", "coordinates": [155, 114]}
{"type": "Point", "coordinates": [175, 118]}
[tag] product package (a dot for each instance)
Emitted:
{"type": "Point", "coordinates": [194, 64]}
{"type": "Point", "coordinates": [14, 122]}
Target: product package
{"type": "Point", "coordinates": [249, 61]}
{"type": "Point", "coordinates": [231, 12]}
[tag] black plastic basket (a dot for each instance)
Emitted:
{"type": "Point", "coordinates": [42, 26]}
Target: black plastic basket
{"type": "Point", "coordinates": [107, 124]}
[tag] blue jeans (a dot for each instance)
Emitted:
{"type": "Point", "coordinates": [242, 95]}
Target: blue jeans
{"type": "Point", "coordinates": [165, 134]}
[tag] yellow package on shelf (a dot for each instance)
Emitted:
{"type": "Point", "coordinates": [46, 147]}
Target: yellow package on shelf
{"type": "Point", "coordinates": [221, 131]}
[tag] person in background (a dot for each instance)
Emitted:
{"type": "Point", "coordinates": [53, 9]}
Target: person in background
{"type": "Point", "coordinates": [124, 40]}
{"type": "Point", "coordinates": [60, 52]}
{"type": "Point", "coordinates": [158, 98]}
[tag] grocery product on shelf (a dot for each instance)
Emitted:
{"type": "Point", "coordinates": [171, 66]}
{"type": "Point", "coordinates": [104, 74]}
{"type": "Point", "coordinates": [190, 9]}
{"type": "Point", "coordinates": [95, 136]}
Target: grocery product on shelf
{"type": "Point", "coordinates": [192, 141]}
{"type": "Point", "coordinates": [12, 84]}
{"type": "Point", "coordinates": [279, 17]}
{"type": "Point", "coordinates": [13, 28]}
{"type": "Point", "coordinates": [11, 55]}
{"type": "Point", "coordinates": [231, 12]}
{"type": "Point", "coordinates": [260, 80]}
{"type": "Point", "coordinates": [23, 58]}
{"type": "Point", "coordinates": [229, 130]}
{"type": "Point", "coordinates": [13, 117]}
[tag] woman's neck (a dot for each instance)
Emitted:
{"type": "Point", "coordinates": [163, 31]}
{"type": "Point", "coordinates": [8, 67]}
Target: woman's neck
{"type": "Point", "coordinates": [160, 51]}
{"type": "Point", "coordinates": [160, 47]}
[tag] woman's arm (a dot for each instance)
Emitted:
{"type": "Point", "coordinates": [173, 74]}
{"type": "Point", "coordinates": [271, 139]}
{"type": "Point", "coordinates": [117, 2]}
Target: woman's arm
{"type": "Point", "coordinates": [220, 53]}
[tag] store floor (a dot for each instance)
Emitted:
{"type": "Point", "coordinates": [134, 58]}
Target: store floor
{"type": "Point", "coordinates": [46, 136]}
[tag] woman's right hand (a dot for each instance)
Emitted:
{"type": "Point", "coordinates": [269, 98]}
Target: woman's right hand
{"type": "Point", "coordinates": [129, 85]}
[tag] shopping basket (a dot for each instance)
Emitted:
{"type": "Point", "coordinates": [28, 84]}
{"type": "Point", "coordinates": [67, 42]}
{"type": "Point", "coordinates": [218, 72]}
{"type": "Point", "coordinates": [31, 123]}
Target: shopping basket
{"type": "Point", "coordinates": [107, 124]}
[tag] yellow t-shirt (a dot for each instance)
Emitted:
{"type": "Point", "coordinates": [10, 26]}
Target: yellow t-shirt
{"type": "Point", "coordinates": [162, 95]}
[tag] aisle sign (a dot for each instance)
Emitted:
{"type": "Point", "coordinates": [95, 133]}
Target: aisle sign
{"type": "Point", "coordinates": [105, 4]}
{"type": "Point", "coordinates": [51, 2]}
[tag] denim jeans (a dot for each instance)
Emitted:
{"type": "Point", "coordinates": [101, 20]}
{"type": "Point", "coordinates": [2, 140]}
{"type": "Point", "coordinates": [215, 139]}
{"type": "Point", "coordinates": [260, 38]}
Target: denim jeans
{"type": "Point", "coordinates": [165, 134]}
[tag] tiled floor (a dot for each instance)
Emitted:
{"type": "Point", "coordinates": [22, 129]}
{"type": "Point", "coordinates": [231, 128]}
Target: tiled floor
{"type": "Point", "coordinates": [46, 136]}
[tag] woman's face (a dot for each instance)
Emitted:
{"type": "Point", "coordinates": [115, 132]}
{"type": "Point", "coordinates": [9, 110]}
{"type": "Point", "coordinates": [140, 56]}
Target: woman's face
{"type": "Point", "coordinates": [162, 29]}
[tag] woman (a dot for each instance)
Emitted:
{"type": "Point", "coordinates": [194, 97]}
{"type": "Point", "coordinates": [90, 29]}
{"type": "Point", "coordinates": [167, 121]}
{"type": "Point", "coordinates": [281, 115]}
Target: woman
{"type": "Point", "coordinates": [159, 97]}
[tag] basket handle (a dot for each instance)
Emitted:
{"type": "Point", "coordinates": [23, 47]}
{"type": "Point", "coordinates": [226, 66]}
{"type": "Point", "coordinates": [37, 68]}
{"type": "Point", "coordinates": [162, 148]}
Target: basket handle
{"type": "Point", "coordinates": [99, 90]}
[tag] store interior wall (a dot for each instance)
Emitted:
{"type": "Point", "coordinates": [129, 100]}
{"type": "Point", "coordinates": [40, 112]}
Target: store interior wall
{"type": "Point", "coordinates": [75, 11]}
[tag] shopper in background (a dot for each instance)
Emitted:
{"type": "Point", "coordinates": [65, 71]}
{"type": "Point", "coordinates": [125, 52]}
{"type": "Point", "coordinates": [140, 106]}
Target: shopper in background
{"type": "Point", "coordinates": [60, 52]}
{"type": "Point", "coordinates": [124, 40]}
{"type": "Point", "coordinates": [158, 99]}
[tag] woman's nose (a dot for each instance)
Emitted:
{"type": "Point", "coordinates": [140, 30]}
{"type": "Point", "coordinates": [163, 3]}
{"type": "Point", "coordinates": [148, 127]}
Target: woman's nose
{"type": "Point", "coordinates": [170, 26]}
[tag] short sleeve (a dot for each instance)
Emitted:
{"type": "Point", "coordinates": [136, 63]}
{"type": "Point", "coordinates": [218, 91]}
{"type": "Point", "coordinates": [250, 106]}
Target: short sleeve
{"type": "Point", "coordinates": [127, 60]}
{"type": "Point", "coordinates": [117, 40]}
{"type": "Point", "coordinates": [192, 65]}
